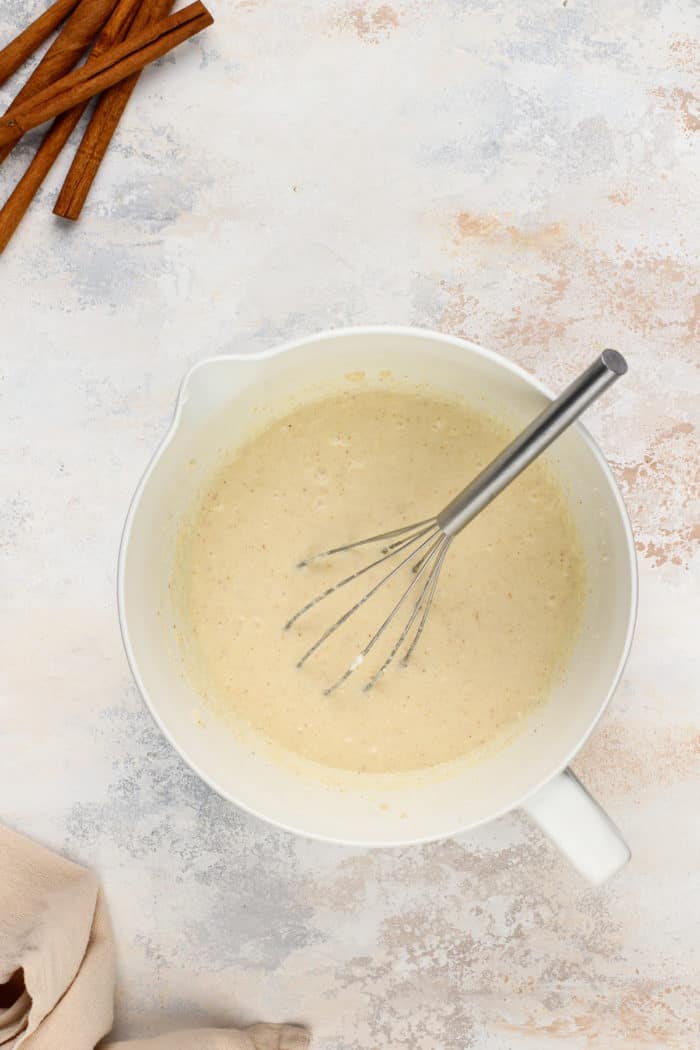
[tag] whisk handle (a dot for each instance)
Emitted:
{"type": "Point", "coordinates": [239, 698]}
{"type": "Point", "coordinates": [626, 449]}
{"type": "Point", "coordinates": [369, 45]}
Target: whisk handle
{"type": "Point", "coordinates": [528, 445]}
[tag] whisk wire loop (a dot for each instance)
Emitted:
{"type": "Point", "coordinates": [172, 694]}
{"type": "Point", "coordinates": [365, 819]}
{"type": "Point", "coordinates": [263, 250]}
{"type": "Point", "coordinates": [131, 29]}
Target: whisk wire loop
{"type": "Point", "coordinates": [432, 533]}
{"type": "Point", "coordinates": [425, 562]}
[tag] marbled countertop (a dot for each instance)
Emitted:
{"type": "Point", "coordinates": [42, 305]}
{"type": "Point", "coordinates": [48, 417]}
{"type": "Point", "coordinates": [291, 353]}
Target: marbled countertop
{"type": "Point", "coordinates": [523, 174]}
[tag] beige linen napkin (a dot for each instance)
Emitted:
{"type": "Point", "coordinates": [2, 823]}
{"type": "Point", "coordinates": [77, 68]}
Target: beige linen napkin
{"type": "Point", "coordinates": [57, 964]}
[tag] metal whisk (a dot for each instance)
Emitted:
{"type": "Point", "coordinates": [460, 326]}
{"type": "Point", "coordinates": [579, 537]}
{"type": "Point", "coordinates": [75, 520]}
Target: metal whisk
{"type": "Point", "coordinates": [426, 543]}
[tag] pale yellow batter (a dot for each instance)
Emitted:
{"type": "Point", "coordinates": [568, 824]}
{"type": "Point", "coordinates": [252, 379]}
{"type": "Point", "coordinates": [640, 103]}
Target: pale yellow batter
{"type": "Point", "coordinates": [504, 618]}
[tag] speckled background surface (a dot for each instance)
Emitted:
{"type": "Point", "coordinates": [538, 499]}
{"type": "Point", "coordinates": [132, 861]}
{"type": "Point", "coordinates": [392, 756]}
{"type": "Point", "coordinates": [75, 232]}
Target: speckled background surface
{"type": "Point", "coordinates": [525, 175]}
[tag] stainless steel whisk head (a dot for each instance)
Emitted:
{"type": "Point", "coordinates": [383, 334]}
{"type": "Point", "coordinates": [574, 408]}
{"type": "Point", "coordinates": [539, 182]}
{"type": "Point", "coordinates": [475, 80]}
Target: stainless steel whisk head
{"type": "Point", "coordinates": [421, 548]}
{"type": "Point", "coordinates": [424, 541]}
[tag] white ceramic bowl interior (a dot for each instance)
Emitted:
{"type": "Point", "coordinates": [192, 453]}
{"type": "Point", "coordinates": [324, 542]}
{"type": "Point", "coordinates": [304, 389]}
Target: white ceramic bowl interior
{"type": "Point", "coordinates": [221, 399]}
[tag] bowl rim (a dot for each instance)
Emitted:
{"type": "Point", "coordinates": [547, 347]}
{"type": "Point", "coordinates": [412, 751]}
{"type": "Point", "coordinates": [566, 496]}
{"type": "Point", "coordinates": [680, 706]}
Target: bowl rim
{"type": "Point", "coordinates": [327, 335]}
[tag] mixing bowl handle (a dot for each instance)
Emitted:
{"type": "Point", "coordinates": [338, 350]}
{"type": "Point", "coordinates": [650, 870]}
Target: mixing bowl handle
{"type": "Point", "coordinates": [583, 831]}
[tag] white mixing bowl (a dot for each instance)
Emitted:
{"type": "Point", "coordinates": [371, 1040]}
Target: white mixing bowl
{"type": "Point", "coordinates": [213, 413]}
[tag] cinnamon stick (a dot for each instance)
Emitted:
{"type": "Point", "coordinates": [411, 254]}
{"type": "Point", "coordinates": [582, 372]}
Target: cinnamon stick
{"type": "Point", "coordinates": [114, 31]}
{"type": "Point", "coordinates": [101, 128]}
{"type": "Point", "coordinates": [16, 53]}
{"type": "Point", "coordinates": [69, 46]}
{"type": "Point", "coordinates": [117, 64]}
